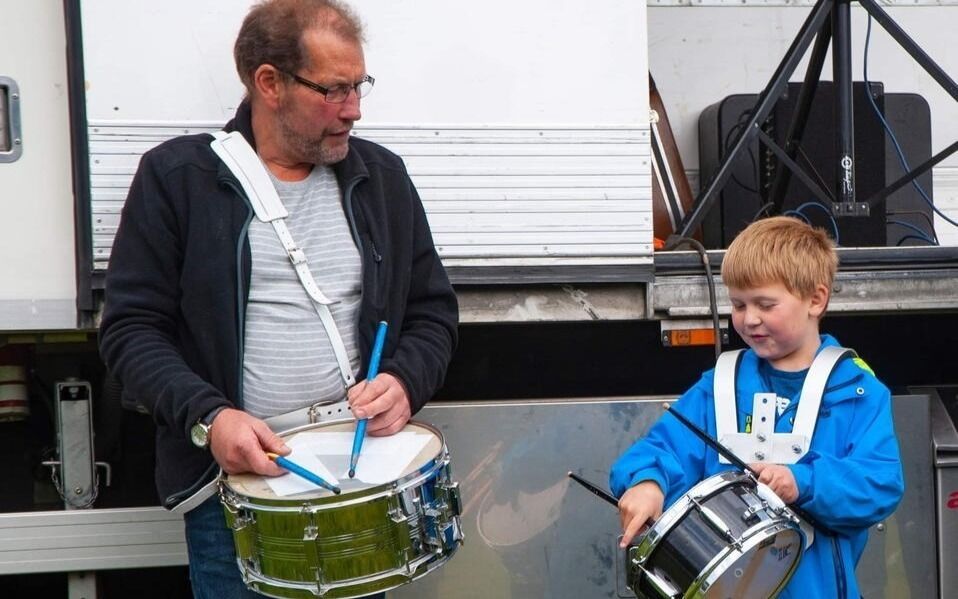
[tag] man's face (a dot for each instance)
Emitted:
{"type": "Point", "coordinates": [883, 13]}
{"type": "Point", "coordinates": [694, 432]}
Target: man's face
{"type": "Point", "coordinates": [313, 129]}
{"type": "Point", "coordinates": [780, 326]}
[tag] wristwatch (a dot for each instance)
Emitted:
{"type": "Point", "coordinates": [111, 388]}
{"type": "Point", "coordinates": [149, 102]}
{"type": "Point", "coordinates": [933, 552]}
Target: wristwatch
{"type": "Point", "coordinates": [200, 432]}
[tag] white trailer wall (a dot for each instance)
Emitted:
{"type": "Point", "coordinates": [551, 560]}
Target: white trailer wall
{"type": "Point", "coordinates": [524, 124]}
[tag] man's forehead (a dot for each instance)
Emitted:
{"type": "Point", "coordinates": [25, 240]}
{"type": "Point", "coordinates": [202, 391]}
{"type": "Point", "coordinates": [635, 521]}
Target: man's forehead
{"type": "Point", "coordinates": [330, 52]}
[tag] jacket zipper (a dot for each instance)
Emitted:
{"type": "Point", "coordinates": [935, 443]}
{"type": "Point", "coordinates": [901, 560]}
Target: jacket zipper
{"type": "Point", "coordinates": [240, 310]}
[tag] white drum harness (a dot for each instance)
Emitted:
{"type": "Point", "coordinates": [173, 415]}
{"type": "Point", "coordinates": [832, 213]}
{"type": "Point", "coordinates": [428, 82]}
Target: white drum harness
{"type": "Point", "coordinates": [763, 444]}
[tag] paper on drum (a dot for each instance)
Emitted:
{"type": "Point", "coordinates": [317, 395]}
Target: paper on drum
{"type": "Point", "coordinates": [384, 459]}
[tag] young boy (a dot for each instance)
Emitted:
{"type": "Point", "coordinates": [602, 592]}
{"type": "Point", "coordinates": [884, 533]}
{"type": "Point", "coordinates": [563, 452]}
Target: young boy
{"type": "Point", "coordinates": [779, 274]}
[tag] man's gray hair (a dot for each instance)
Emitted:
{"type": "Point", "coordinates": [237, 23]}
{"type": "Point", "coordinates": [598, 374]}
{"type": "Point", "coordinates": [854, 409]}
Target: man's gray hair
{"type": "Point", "coordinates": [272, 33]}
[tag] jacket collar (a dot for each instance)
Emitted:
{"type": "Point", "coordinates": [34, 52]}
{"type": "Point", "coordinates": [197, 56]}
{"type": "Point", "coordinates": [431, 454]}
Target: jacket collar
{"type": "Point", "coordinates": [845, 374]}
{"type": "Point", "coordinates": [347, 170]}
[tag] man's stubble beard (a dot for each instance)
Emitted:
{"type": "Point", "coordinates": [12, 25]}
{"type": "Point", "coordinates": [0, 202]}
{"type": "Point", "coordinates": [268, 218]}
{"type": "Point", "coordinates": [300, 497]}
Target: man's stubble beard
{"type": "Point", "coordinates": [306, 148]}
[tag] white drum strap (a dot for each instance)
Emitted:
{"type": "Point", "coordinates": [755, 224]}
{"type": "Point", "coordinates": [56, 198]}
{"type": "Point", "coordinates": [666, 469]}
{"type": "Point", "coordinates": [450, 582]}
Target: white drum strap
{"type": "Point", "coordinates": [726, 412]}
{"type": "Point", "coordinates": [241, 159]}
{"type": "Point", "coordinates": [806, 416]}
{"type": "Point", "coordinates": [762, 443]}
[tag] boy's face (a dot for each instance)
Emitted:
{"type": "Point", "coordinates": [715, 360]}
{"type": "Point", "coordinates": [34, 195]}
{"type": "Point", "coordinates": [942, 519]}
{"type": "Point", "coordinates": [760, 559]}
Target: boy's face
{"type": "Point", "coordinates": [780, 326]}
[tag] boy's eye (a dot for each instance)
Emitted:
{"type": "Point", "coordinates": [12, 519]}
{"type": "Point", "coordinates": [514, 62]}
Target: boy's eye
{"type": "Point", "coordinates": [766, 306]}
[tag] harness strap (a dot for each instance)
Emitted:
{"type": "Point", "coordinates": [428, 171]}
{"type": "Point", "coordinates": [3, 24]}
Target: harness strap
{"type": "Point", "coordinates": [806, 416]}
{"type": "Point", "coordinates": [241, 159]}
{"type": "Point", "coordinates": [726, 411]}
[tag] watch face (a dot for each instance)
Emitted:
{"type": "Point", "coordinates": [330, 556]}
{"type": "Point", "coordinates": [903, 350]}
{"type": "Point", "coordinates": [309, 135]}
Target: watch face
{"type": "Point", "coordinates": [200, 435]}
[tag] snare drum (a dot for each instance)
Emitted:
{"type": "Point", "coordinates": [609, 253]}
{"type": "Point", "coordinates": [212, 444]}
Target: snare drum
{"type": "Point", "coordinates": [727, 537]}
{"type": "Point", "coordinates": [371, 538]}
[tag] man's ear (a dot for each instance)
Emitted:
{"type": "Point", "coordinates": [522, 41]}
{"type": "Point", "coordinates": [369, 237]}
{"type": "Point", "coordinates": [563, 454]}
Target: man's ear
{"type": "Point", "coordinates": [819, 300]}
{"type": "Point", "coordinates": [268, 85]}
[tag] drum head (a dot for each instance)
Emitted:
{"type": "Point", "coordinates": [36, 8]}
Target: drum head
{"type": "Point", "coordinates": [763, 567]}
{"type": "Point", "coordinates": [254, 486]}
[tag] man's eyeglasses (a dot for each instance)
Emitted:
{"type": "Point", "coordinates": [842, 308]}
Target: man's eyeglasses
{"type": "Point", "coordinates": [336, 94]}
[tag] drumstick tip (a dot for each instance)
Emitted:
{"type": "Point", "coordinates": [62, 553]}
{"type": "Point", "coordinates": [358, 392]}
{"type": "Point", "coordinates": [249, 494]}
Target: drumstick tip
{"type": "Point", "coordinates": [352, 473]}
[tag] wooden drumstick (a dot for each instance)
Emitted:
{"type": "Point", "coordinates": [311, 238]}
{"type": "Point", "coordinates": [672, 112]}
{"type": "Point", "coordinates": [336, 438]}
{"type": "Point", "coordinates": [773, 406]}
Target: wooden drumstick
{"type": "Point", "coordinates": [735, 460]}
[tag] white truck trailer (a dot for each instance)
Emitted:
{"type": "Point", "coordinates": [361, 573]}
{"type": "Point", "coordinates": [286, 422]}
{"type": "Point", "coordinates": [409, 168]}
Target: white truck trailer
{"type": "Point", "coordinates": [526, 128]}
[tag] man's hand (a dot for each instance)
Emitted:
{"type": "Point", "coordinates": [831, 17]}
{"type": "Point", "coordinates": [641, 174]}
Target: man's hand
{"type": "Point", "coordinates": [779, 479]}
{"type": "Point", "coordinates": [239, 443]}
{"type": "Point", "coordinates": [383, 401]}
{"type": "Point", "coordinates": [638, 505]}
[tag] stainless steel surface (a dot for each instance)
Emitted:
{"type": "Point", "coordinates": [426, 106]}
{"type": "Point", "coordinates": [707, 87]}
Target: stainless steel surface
{"type": "Point", "coordinates": [899, 560]}
{"type": "Point", "coordinates": [946, 481]}
{"type": "Point", "coordinates": [531, 533]}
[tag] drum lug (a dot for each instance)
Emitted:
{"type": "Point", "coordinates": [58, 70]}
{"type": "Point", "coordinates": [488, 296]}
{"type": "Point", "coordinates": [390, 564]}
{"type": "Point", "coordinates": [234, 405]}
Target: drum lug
{"type": "Point", "coordinates": [242, 534]}
{"type": "Point", "coordinates": [405, 505]}
{"type": "Point", "coordinates": [310, 536]}
{"type": "Point", "coordinates": [662, 586]}
{"type": "Point", "coordinates": [715, 522]}
{"type": "Point", "coordinates": [449, 493]}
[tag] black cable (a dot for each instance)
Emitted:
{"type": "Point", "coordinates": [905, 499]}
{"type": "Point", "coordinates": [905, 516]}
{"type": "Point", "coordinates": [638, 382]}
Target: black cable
{"type": "Point", "coordinates": [764, 208]}
{"type": "Point", "coordinates": [713, 302]}
{"type": "Point", "coordinates": [918, 237]}
{"type": "Point", "coordinates": [924, 215]}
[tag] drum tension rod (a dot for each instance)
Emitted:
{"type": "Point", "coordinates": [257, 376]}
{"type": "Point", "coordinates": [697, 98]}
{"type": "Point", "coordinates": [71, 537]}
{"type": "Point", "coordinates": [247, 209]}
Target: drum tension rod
{"type": "Point", "coordinates": [715, 522]}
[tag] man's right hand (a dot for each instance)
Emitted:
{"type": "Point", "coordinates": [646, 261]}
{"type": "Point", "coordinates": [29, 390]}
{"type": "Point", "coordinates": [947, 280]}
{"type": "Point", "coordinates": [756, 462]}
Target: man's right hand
{"type": "Point", "coordinates": [239, 443]}
{"type": "Point", "coordinates": [638, 505]}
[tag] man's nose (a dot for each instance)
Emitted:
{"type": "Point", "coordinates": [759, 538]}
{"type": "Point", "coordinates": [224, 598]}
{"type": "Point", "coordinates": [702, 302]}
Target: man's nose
{"type": "Point", "coordinates": [350, 107]}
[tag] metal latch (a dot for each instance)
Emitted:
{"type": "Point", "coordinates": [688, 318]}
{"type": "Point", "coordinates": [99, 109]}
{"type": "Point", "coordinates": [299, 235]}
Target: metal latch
{"type": "Point", "coordinates": [11, 137]}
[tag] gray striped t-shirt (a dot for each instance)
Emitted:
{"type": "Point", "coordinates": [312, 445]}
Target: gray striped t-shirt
{"type": "Point", "coordinates": [288, 362]}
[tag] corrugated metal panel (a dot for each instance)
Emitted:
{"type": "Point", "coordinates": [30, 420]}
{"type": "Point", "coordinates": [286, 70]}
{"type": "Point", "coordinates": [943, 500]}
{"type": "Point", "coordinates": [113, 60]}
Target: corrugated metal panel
{"type": "Point", "coordinates": [509, 193]}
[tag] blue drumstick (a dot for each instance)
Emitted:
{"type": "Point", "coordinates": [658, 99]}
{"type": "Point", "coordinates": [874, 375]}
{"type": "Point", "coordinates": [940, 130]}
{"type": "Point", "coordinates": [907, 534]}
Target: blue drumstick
{"type": "Point", "coordinates": [300, 471]}
{"type": "Point", "coordinates": [370, 375]}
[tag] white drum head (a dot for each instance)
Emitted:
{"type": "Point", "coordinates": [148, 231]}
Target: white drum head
{"type": "Point", "coordinates": [255, 486]}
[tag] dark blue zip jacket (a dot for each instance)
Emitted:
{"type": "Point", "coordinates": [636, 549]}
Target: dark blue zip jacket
{"type": "Point", "coordinates": [178, 282]}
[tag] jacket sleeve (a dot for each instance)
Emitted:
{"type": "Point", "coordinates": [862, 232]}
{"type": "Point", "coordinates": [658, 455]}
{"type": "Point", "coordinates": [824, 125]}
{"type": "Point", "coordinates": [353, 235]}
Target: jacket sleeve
{"type": "Point", "coordinates": [669, 454]}
{"type": "Point", "coordinates": [429, 329]}
{"type": "Point", "coordinates": [851, 492]}
{"type": "Point", "coordinates": [139, 328]}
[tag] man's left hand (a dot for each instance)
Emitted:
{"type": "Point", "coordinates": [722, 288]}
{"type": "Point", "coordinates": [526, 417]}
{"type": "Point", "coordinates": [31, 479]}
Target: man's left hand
{"type": "Point", "coordinates": [383, 401]}
{"type": "Point", "coordinates": [779, 479]}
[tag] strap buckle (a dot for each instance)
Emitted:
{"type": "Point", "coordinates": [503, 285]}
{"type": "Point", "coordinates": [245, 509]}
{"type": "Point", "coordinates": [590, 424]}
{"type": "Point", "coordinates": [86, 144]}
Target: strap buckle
{"type": "Point", "coordinates": [296, 256]}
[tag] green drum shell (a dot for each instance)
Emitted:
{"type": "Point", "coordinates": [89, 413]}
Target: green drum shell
{"type": "Point", "coordinates": [349, 545]}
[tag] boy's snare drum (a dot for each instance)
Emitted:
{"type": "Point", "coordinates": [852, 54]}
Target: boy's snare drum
{"type": "Point", "coordinates": [363, 541]}
{"type": "Point", "coordinates": [726, 537]}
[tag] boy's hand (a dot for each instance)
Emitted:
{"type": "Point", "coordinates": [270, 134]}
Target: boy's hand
{"type": "Point", "coordinates": [637, 506]}
{"type": "Point", "coordinates": [778, 478]}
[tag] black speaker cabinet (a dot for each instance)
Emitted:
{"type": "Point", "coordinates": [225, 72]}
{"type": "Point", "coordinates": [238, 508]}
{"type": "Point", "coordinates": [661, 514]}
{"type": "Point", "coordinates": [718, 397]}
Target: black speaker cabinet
{"type": "Point", "coordinates": [877, 164]}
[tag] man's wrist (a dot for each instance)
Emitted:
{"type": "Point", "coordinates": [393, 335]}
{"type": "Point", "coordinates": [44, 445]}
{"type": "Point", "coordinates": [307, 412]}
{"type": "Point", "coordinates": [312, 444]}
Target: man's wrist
{"type": "Point", "coordinates": [202, 432]}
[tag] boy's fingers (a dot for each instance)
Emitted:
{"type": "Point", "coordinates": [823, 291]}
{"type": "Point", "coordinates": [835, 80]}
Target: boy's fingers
{"type": "Point", "coordinates": [631, 530]}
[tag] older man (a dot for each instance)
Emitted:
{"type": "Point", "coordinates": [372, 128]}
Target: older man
{"type": "Point", "coordinates": [206, 323]}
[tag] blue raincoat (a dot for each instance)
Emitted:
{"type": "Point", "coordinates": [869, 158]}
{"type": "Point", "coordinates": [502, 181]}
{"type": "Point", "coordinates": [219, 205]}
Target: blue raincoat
{"type": "Point", "coordinates": [850, 479]}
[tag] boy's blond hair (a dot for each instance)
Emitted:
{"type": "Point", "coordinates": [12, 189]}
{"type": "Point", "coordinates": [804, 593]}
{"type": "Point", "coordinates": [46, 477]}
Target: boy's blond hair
{"type": "Point", "coordinates": [782, 250]}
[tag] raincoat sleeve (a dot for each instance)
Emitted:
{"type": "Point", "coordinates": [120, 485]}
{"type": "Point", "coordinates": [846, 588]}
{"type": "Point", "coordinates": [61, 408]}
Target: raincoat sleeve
{"type": "Point", "coordinates": [669, 454]}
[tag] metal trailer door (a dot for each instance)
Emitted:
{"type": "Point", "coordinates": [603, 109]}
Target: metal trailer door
{"type": "Point", "coordinates": [37, 269]}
